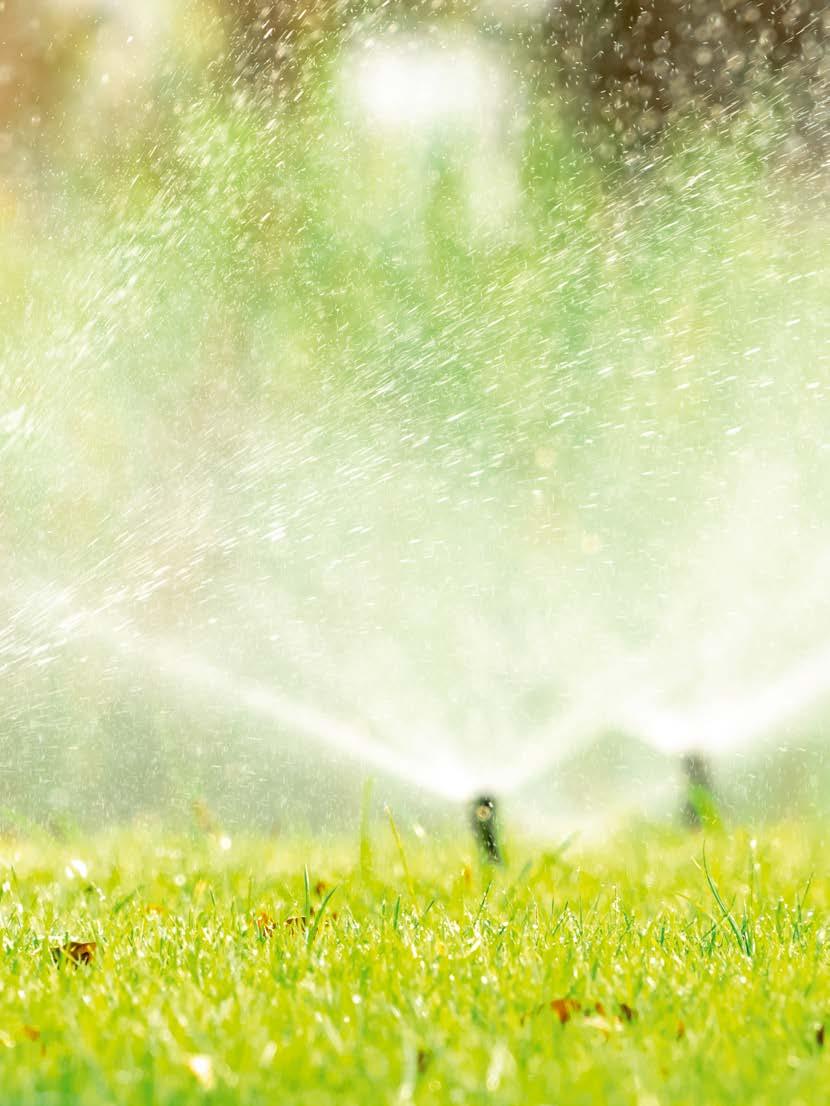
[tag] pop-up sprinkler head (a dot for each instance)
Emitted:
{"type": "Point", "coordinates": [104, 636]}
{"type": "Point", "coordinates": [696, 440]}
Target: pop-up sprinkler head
{"type": "Point", "coordinates": [700, 804]}
{"type": "Point", "coordinates": [485, 828]}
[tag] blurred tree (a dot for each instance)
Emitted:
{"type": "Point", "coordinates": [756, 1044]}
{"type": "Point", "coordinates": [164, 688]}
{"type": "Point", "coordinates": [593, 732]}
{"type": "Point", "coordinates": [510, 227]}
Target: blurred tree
{"type": "Point", "coordinates": [266, 38]}
{"type": "Point", "coordinates": [632, 65]}
{"type": "Point", "coordinates": [624, 66]}
{"type": "Point", "coordinates": [43, 49]}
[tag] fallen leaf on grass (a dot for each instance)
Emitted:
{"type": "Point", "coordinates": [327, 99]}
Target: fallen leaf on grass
{"type": "Point", "coordinates": [75, 952]}
{"type": "Point", "coordinates": [31, 1033]}
{"type": "Point", "coordinates": [423, 1059]}
{"type": "Point", "coordinates": [820, 1035]}
{"type": "Point", "coordinates": [299, 923]}
{"type": "Point", "coordinates": [565, 1008]}
{"type": "Point", "coordinates": [594, 1013]}
{"type": "Point", "coordinates": [264, 923]}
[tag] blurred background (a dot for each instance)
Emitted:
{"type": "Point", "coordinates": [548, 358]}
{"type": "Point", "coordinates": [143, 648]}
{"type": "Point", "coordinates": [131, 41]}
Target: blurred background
{"type": "Point", "coordinates": [428, 391]}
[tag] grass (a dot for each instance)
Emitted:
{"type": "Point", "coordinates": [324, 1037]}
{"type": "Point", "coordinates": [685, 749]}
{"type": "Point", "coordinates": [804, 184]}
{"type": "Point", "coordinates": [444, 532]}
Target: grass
{"type": "Point", "coordinates": [264, 971]}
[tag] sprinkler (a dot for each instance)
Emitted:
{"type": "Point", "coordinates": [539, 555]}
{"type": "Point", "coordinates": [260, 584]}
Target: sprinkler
{"type": "Point", "coordinates": [485, 828]}
{"type": "Point", "coordinates": [700, 806]}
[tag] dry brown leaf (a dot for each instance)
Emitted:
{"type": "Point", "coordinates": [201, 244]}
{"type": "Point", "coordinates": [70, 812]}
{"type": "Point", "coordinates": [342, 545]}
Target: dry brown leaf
{"type": "Point", "coordinates": [595, 1015]}
{"type": "Point", "coordinates": [565, 1008]}
{"type": "Point", "coordinates": [265, 924]}
{"type": "Point", "coordinates": [297, 923]}
{"type": "Point", "coordinates": [75, 952]}
{"type": "Point", "coordinates": [82, 952]}
{"type": "Point", "coordinates": [424, 1059]}
{"type": "Point", "coordinates": [31, 1032]}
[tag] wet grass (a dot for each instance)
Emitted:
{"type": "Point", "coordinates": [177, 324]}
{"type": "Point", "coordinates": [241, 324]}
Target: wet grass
{"type": "Point", "coordinates": [263, 971]}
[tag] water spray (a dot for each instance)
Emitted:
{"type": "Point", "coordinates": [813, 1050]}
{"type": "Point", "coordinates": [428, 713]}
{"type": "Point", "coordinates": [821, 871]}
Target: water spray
{"type": "Point", "coordinates": [485, 828]}
{"type": "Point", "coordinates": [54, 612]}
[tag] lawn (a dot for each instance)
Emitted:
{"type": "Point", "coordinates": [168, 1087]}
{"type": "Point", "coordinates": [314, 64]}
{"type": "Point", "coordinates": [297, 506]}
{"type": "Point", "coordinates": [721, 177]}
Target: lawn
{"type": "Point", "coordinates": [654, 967]}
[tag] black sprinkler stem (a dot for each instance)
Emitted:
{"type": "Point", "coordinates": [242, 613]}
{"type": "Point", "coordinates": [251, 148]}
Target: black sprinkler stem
{"type": "Point", "coordinates": [485, 828]}
{"type": "Point", "coordinates": [700, 804]}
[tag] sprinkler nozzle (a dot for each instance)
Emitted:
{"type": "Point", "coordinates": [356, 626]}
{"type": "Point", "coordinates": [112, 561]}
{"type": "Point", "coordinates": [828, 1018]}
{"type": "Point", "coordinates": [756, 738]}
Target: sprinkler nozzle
{"type": "Point", "coordinates": [700, 805]}
{"type": "Point", "coordinates": [485, 828]}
